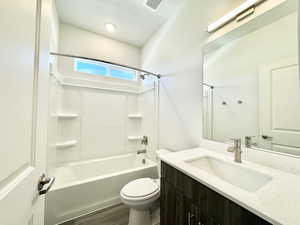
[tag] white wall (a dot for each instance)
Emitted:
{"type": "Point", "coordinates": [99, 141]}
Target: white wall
{"type": "Point", "coordinates": [176, 52]}
{"type": "Point", "coordinates": [84, 43]}
{"type": "Point", "coordinates": [299, 35]}
{"type": "Point", "coordinates": [54, 23]}
{"type": "Point", "coordinates": [54, 35]}
{"type": "Point", "coordinates": [234, 70]}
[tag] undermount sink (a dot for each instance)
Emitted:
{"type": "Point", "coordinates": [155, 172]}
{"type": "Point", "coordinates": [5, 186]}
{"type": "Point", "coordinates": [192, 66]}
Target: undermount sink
{"type": "Point", "coordinates": [237, 175]}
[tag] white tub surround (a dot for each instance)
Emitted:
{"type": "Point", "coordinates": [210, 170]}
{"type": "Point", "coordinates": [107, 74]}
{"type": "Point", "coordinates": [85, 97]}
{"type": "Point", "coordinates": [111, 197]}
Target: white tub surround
{"type": "Point", "coordinates": [88, 186]}
{"type": "Point", "coordinates": [277, 200]}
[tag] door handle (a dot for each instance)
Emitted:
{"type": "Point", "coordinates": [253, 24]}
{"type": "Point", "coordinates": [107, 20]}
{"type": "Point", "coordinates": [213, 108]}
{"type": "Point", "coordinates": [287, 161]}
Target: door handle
{"type": "Point", "coordinates": [44, 180]}
{"type": "Point", "coordinates": [190, 217]}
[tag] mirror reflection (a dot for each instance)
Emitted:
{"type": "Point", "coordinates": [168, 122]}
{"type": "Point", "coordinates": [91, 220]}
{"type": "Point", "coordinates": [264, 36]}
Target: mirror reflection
{"type": "Point", "coordinates": [251, 88]}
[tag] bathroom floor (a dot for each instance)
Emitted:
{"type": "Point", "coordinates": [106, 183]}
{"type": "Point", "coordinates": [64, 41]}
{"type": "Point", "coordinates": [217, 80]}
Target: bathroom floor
{"type": "Point", "coordinates": [115, 216]}
{"type": "Point", "coordinates": [118, 215]}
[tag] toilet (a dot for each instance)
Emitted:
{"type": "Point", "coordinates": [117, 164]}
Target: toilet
{"type": "Point", "coordinates": [140, 195]}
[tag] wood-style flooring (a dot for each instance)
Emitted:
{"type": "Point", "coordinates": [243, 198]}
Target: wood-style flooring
{"type": "Point", "coordinates": [114, 216]}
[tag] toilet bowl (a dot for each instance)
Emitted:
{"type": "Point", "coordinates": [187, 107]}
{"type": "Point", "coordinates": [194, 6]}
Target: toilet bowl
{"type": "Point", "coordinates": [140, 195]}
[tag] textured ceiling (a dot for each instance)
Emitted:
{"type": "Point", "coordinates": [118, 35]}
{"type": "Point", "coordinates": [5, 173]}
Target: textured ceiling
{"type": "Point", "coordinates": [135, 22]}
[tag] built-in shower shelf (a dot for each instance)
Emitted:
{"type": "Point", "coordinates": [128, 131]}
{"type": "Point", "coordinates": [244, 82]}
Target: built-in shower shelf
{"type": "Point", "coordinates": [66, 144]}
{"type": "Point", "coordinates": [135, 116]}
{"type": "Point", "coordinates": [67, 115]}
{"type": "Point", "coordinates": [135, 138]}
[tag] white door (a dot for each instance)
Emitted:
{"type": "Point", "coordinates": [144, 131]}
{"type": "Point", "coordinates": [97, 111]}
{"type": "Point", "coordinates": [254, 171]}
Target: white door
{"type": "Point", "coordinates": [280, 106]}
{"type": "Point", "coordinates": [24, 109]}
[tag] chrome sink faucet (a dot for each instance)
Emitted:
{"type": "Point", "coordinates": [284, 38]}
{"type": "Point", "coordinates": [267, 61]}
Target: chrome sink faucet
{"type": "Point", "coordinates": [144, 140]}
{"type": "Point", "coordinates": [249, 142]}
{"type": "Point", "coordinates": [237, 149]}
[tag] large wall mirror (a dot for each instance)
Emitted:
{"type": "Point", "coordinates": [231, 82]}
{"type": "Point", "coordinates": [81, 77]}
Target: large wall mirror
{"type": "Point", "coordinates": [251, 87]}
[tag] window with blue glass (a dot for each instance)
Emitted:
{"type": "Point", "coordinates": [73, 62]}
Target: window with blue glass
{"type": "Point", "coordinates": [123, 74]}
{"type": "Point", "coordinates": [84, 66]}
{"type": "Point", "coordinates": [102, 69]}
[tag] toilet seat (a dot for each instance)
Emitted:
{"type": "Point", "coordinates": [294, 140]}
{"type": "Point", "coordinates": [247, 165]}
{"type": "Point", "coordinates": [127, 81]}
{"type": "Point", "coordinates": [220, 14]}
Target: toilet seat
{"type": "Point", "coordinates": [140, 189]}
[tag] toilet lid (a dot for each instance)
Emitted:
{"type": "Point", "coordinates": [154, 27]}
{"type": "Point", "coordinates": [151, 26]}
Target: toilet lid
{"type": "Point", "coordinates": [140, 188]}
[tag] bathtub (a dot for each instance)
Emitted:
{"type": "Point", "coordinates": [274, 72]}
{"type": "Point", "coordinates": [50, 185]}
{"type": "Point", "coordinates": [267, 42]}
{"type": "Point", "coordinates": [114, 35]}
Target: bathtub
{"type": "Point", "coordinates": [84, 187]}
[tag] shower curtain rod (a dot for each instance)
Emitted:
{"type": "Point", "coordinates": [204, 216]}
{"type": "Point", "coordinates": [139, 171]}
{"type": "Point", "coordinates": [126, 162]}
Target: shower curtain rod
{"type": "Point", "coordinates": [108, 62]}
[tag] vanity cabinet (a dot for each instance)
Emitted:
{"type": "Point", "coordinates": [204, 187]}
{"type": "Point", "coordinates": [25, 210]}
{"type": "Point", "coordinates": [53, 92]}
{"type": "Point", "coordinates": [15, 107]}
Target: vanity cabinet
{"type": "Point", "coordinates": [185, 201]}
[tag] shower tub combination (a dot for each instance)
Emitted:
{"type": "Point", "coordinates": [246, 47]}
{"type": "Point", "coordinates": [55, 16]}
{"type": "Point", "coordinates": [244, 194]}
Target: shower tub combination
{"type": "Point", "coordinates": [85, 187]}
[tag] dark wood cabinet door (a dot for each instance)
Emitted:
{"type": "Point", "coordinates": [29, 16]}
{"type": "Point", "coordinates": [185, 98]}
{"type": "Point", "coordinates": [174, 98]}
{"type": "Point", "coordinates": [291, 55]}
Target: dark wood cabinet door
{"type": "Point", "coordinates": [235, 214]}
{"type": "Point", "coordinates": [167, 203]}
{"type": "Point", "coordinates": [163, 212]}
{"type": "Point", "coordinates": [184, 201]}
{"type": "Point", "coordinates": [216, 208]}
{"type": "Point", "coordinates": [180, 218]}
{"type": "Point", "coordinates": [202, 202]}
{"type": "Point", "coordinates": [191, 212]}
{"type": "Point", "coordinates": [172, 204]}
{"type": "Point", "coordinates": [249, 218]}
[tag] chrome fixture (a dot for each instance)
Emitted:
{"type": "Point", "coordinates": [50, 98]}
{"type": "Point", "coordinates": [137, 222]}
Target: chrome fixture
{"type": "Point", "coordinates": [267, 138]}
{"type": "Point", "coordinates": [235, 13]}
{"type": "Point", "coordinates": [153, 4]}
{"type": "Point", "coordinates": [144, 140]}
{"type": "Point", "coordinates": [237, 149]}
{"type": "Point", "coordinates": [208, 85]}
{"type": "Point", "coordinates": [248, 141]}
{"type": "Point", "coordinates": [42, 182]}
{"type": "Point", "coordinates": [142, 151]}
{"type": "Point", "coordinates": [105, 61]}
{"type": "Point", "coordinates": [145, 143]}
{"type": "Point", "coordinates": [143, 76]}
{"type": "Point", "coordinates": [191, 216]}
{"type": "Point", "coordinates": [110, 27]}
{"type": "Point", "coordinates": [245, 14]}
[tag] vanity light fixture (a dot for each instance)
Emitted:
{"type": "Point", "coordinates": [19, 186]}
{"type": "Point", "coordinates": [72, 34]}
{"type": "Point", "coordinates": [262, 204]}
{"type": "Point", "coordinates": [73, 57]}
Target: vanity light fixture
{"type": "Point", "coordinates": [110, 27]}
{"type": "Point", "coordinates": [233, 14]}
